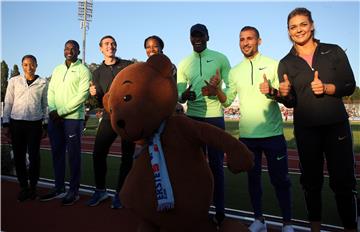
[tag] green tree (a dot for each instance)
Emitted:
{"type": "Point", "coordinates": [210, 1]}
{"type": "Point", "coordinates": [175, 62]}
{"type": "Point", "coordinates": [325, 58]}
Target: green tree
{"type": "Point", "coordinates": [4, 78]}
{"type": "Point", "coordinates": [92, 67]}
{"type": "Point", "coordinates": [92, 102]}
{"type": "Point", "coordinates": [15, 71]}
{"type": "Point", "coordinates": [134, 60]}
{"type": "Point", "coordinates": [355, 97]}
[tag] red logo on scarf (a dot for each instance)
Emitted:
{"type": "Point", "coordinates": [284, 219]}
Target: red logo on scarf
{"type": "Point", "coordinates": [155, 168]}
{"type": "Point", "coordinates": [156, 148]}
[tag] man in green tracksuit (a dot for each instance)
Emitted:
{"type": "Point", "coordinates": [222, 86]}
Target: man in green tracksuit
{"type": "Point", "coordinates": [198, 67]}
{"type": "Point", "coordinates": [68, 90]}
{"type": "Point", "coordinates": [255, 81]}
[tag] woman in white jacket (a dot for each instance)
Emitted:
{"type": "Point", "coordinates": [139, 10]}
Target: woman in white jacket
{"type": "Point", "coordinates": [25, 122]}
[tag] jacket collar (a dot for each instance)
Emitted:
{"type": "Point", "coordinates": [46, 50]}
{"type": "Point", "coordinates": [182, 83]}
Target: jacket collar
{"type": "Point", "coordinates": [117, 60]}
{"type": "Point", "coordinates": [23, 78]}
{"type": "Point", "coordinates": [294, 52]}
{"type": "Point", "coordinates": [255, 59]}
{"type": "Point", "coordinates": [75, 63]}
{"type": "Point", "coordinates": [201, 54]}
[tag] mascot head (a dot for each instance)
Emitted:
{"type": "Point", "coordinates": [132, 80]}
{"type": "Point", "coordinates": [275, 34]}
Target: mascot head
{"type": "Point", "coordinates": [141, 96]}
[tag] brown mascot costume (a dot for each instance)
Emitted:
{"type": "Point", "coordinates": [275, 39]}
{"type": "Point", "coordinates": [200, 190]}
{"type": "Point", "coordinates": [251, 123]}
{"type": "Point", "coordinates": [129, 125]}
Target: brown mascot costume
{"type": "Point", "coordinates": [170, 185]}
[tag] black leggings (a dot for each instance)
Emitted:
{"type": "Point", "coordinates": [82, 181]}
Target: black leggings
{"type": "Point", "coordinates": [333, 143]}
{"type": "Point", "coordinates": [105, 136]}
{"type": "Point", "coordinates": [26, 137]}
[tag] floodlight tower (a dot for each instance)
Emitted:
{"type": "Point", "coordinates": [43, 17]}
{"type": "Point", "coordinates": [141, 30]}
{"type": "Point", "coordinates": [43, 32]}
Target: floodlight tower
{"type": "Point", "coordinates": [85, 8]}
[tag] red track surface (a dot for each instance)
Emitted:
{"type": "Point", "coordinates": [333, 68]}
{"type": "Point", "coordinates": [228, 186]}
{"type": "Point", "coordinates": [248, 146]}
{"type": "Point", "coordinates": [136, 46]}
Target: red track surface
{"type": "Point", "coordinates": [33, 215]}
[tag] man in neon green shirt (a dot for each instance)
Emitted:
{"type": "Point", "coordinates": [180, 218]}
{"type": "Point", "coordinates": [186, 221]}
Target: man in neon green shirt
{"type": "Point", "coordinates": [192, 73]}
{"type": "Point", "coordinates": [68, 90]}
{"type": "Point", "coordinates": [255, 81]}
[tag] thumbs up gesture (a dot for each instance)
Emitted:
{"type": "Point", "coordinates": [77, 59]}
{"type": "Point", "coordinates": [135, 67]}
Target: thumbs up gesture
{"type": "Point", "coordinates": [210, 89]}
{"type": "Point", "coordinates": [285, 86]}
{"type": "Point", "coordinates": [188, 94]}
{"type": "Point", "coordinates": [92, 89]}
{"type": "Point", "coordinates": [215, 80]}
{"type": "Point", "coordinates": [264, 86]}
{"type": "Point", "coordinates": [316, 85]}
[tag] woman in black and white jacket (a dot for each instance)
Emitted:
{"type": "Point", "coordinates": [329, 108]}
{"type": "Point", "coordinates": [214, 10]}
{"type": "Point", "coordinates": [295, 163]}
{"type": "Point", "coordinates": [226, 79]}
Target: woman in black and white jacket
{"type": "Point", "coordinates": [25, 122]}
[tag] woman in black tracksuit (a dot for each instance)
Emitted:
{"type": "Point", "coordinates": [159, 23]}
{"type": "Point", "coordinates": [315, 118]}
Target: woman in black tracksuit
{"type": "Point", "coordinates": [314, 77]}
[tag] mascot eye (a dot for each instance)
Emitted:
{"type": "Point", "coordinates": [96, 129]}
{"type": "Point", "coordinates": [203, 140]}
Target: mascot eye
{"type": "Point", "coordinates": [127, 98]}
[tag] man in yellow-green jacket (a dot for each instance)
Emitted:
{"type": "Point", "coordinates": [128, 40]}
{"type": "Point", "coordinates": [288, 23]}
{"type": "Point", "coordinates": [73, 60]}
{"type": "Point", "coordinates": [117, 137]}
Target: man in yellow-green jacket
{"type": "Point", "coordinates": [193, 72]}
{"type": "Point", "coordinates": [255, 81]}
{"type": "Point", "coordinates": [68, 90]}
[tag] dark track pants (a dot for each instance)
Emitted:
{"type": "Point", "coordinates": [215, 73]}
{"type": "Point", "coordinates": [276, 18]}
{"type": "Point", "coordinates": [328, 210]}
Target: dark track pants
{"type": "Point", "coordinates": [216, 163]}
{"type": "Point", "coordinates": [25, 138]}
{"type": "Point", "coordinates": [105, 137]}
{"type": "Point", "coordinates": [65, 137]}
{"type": "Point", "coordinates": [334, 143]}
{"type": "Point", "coordinates": [275, 150]}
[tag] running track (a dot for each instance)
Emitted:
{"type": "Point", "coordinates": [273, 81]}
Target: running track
{"type": "Point", "coordinates": [88, 144]}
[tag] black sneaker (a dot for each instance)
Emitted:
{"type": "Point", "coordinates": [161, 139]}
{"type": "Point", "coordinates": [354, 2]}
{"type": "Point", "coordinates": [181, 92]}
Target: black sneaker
{"type": "Point", "coordinates": [116, 203]}
{"type": "Point", "coordinates": [53, 194]}
{"type": "Point", "coordinates": [32, 193]}
{"type": "Point", "coordinates": [218, 219]}
{"type": "Point", "coordinates": [97, 197]}
{"type": "Point", "coordinates": [23, 195]}
{"type": "Point", "coordinates": [70, 198]}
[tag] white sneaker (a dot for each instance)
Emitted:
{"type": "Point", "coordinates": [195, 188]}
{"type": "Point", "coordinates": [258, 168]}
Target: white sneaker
{"type": "Point", "coordinates": [258, 226]}
{"type": "Point", "coordinates": [287, 228]}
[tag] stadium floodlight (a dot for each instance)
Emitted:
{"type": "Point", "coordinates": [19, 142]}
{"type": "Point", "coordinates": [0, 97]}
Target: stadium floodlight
{"type": "Point", "coordinates": [85, 8]}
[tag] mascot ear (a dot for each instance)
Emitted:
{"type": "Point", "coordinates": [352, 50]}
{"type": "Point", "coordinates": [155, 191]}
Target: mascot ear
{"type": "Point", "coordinates": [106, 102]}
{"type": "Point", "coordinates": [161, 63]}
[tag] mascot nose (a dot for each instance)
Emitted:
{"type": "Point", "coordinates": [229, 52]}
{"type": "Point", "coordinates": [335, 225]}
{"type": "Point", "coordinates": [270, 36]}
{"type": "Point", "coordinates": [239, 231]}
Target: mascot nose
{"type": "Point", "coordinates": [120, 123]}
